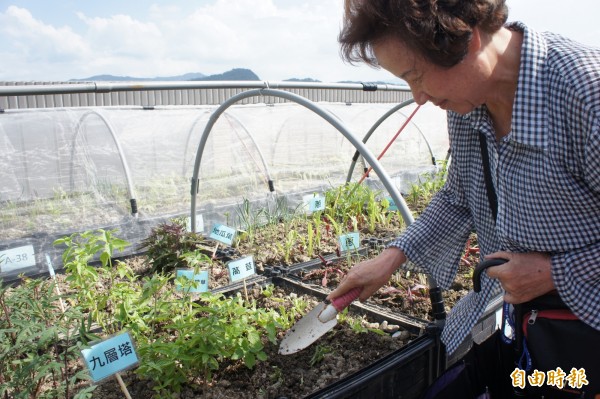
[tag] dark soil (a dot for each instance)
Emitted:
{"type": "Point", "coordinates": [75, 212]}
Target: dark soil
{"type": "Point", "coordinates": [406, 292]}
{"type": "Point", "coordinates": [334, 356]}
{"type": "Point", "coordinates": [291, 376]}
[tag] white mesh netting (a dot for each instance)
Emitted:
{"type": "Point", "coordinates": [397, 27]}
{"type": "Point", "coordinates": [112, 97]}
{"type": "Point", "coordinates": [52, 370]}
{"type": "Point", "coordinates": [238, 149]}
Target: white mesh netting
{"type": "Point", "coordinates": [68, 170]}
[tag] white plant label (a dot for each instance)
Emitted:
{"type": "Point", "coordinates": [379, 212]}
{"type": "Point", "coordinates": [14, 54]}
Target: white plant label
{"type": "Point", "coordinates": [17, 258]}
{"type": "Point", "coordinates": [314, 203]}
{"type": "Point", "coordinates": [350, 241]}
{"type": "Point", "coordinates": [110, 356]}
{"type": "Point", "coordinates": [241, 268]}
{"type": "Point", "coordinates": [201, 279]}
{"type": "Point", "coordinates": [199, 224]}
{"type": "Point", "coordinates": [222, 233]}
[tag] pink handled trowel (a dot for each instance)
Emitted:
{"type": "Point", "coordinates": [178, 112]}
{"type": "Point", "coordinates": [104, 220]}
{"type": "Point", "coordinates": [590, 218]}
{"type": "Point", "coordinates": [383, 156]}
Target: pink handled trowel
{"type": "Point", "coordinates": [316, 323]}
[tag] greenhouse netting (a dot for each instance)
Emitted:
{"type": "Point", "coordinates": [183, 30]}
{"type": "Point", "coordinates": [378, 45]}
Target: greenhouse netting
{"type": "Point", "coordinates": [67, 170]}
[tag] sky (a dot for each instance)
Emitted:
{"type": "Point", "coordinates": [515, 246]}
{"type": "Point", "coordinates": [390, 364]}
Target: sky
{"type": "Point", "coordinates": [58, 40]}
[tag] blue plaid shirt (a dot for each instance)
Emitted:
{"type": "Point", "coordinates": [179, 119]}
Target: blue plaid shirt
{"type": "Point", "coordinates": [546, 173]}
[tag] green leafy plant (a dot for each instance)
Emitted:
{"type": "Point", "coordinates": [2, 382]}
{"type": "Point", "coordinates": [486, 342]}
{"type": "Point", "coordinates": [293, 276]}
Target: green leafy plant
{"type": "Point", "coordinates": [277, 376]}
{"type": "Point", "coordinates": [179, 338]}
{"type": "Point", "coordinates": [337, 227]}
{"type": "Point", "coordinates": [84, 278]}
{"type": "Point", "coordinates": [291, 239]}
{"type": "Point", "coordinates": [357, 204]}
{"type": "Point", "coordinates": [196, 259]}
{"type": "Point", "coordinates": [428, 184]}
{"type": "Point", "coordinates": [247, 219]}
{"type": "Point", "coordinates": [319, 354]}
{"type": "Point", "coordinates": [278, 211]}
{"type": "Point", "coordinates": [318, 224]}
{"type": "Point", "coordinates": [202, 336]}
{"type": "Point", "coordinates": [357, 324]}
{"type": "Point", "coordinates": [38, 343]}
{"type": "Point", "coordinates": [310, 240]}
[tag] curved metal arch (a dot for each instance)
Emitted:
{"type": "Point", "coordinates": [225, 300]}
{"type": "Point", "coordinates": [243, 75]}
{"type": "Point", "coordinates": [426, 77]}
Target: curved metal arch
{"type": "Point", "coordinates": [132, 200]}
{"type": "Point", "coordinates": [250, 136]}
{"type": "Point", "coordinates": [333, 120]}
{"type": "Point", "coordinates": [389, 113]}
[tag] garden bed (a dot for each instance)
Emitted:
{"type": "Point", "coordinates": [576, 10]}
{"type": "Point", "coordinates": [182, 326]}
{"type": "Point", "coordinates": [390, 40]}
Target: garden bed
{"type": "Point", "coordinates": [224, 343]}
{"type": "Point", "coordinates": [345, 350]}
{"type": "Point", "coordinates": [164, 320]}
{"type": "Point", "coordinates": [406, 292]}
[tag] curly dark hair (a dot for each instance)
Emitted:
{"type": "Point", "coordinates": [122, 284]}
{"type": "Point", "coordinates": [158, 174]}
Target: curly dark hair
{"type": "Point", "coordinates": [437, 30]}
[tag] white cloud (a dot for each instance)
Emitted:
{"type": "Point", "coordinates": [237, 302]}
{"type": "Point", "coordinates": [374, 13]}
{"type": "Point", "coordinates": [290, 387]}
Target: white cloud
{"type": "Point", "coordinates": [30, 46]}
{"type": "Point", "coordinates": [277, 39]}
{"type": "Point", "coordinates": [121, 45]}
{"type": "Point", "coordinates": [123, 35]}
{"type": "Point", "coordinates": [274, 41]}
{"type": "Point", "coordinates": [28, 33]}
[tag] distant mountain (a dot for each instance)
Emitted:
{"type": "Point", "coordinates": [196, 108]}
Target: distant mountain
{"type": "Point", "coordinates": [113, 78]}
{"type": "Point", "coordinates": [305, 80]}
{"type": "Point", "coordinates": [186, 76]}
{"type": "Point", "coordinates": [234, 74]}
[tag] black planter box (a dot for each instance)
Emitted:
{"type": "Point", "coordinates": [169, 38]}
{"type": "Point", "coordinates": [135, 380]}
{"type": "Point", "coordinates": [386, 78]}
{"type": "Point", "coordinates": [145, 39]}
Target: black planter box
{"type": "Point", "coordinates": [404, 374]}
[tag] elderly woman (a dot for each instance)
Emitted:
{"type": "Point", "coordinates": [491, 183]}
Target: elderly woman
{"type": "Point", "coordinates": [527, 101]}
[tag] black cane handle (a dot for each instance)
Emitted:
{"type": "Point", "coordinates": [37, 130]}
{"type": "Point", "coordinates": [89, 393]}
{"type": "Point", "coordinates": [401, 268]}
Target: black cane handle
{"type": "Point", "coordinates": [481, 267]}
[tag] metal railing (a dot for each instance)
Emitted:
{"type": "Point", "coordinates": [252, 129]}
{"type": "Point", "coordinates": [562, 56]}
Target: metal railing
{"type": "Point", "coordinates": [20, 95]}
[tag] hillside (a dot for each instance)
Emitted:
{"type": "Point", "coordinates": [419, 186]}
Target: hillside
{"type": "Point", "coordinates": [114, 78]}
{"type": "Point", "coordinates": [234, 74]}
{"type": "Point", "coordinates": [241, 74]}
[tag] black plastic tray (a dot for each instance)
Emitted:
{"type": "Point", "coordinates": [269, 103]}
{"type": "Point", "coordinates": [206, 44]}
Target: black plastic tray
{"type": "Point", "coordinates": [404, 374]}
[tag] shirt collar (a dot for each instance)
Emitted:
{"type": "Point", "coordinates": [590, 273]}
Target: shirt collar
{"type": "Point", "coordinates": [529, 109]}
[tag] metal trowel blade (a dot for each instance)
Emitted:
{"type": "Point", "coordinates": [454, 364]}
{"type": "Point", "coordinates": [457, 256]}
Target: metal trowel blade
{"type": "Point", "coordinates": [306, 331]}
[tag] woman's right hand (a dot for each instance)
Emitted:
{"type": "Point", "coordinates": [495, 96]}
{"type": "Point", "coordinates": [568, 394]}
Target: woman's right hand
{"type": "Point", "coordinates": [371, 274]}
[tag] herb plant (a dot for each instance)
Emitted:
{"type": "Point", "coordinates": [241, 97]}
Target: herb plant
{"type": "Point", "coordinates": [38, 342]}
{"type": "Point", "coordinates": [84, 278]}
{"type": "Point", "coordinates": [168, 242]}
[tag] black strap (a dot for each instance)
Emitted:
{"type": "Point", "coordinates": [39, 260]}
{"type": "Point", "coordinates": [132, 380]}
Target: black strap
{"type": "Point", "coordinates": [487, 176]}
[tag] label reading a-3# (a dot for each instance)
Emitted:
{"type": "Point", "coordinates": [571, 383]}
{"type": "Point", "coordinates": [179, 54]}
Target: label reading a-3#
{"type": "Point", "coordinates": [17, 258]}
